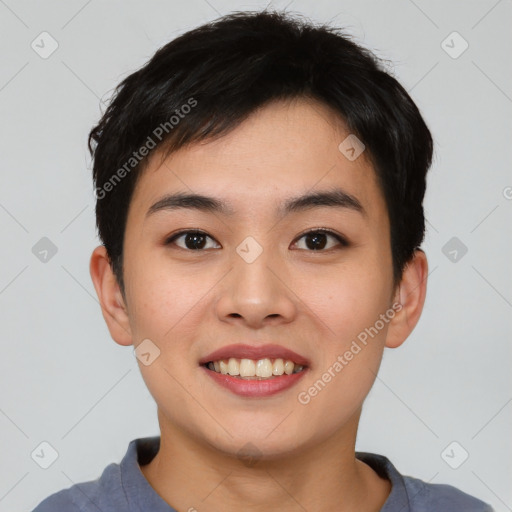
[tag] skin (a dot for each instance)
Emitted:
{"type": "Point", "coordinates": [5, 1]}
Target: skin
{"type": "Point", "coordinates": [190, 303]}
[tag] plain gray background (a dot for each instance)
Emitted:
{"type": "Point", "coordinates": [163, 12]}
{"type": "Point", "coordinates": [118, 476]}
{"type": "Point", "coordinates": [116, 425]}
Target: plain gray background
{"type": "Point", "coordinates": [67, 383]}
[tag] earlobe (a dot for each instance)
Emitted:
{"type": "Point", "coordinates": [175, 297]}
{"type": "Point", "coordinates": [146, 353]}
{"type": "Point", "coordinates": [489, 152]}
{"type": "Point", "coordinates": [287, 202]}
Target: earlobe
{"type": "Point", "coordinates": [109, 294]}
{"type": "Point", "coordinates": [411, 294]}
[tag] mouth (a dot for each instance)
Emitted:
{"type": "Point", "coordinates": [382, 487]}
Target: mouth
{"type": "Point", "coordinates": [251, 371]}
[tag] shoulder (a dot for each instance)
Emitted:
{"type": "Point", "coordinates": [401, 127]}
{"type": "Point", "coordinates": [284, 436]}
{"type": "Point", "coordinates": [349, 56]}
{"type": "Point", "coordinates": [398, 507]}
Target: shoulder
{"type": "Point", "coordinates": [105, 493]}
{"type": "Point", "coordinates": [409, 494]}
{"type": "Point", "coordinates": [425, 497]}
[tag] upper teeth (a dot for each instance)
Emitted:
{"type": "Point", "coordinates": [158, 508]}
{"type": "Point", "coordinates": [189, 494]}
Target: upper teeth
{"type": "Point", "coordinates": [255, 368]}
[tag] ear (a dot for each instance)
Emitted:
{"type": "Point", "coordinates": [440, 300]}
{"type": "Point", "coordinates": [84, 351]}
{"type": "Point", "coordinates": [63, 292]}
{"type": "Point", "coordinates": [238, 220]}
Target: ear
{"type": "Point", "coordinates": [111, 299]}
{"type": "Point", "coordinates": [411, 295]}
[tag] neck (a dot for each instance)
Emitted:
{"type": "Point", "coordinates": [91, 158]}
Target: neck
{"type": "Point", "coordinates": [192, 476]}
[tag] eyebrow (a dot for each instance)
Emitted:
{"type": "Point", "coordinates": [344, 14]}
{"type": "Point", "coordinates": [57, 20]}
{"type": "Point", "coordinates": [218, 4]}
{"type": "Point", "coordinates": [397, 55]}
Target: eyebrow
{"type": "Point", "coordinates": [334, 198]}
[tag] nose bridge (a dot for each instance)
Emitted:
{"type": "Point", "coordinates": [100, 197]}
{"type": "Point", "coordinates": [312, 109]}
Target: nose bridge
{"type": "Point", "coordinates": [253, 290]}
{"type": "Point", "coordinates": [252, 264]}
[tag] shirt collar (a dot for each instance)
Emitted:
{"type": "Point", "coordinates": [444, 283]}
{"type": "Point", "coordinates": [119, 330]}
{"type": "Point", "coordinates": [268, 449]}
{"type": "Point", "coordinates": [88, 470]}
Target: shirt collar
{"type": "Point", "coordinates": [398, 499]}
{"type": "Point", "coordinates": [139, 493]}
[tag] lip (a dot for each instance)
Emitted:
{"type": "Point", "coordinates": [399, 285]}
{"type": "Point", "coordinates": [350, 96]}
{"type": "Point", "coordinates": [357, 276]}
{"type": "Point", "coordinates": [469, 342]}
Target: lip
{"type": "Point", "coordinates": [241, 351]}
{"type": "Point", "coordinates": [255, 388]}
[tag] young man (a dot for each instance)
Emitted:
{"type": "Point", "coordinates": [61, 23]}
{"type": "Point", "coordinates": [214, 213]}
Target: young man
{"type": "Point", "coordinates": [259, 190]}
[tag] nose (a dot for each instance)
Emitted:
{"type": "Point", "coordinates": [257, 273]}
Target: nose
{"type": "Point", "coordinates": [257, 291]}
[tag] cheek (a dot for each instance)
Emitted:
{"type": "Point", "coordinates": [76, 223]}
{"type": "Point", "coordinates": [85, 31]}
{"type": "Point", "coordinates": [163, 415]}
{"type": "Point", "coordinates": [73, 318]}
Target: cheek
{"type": "Point", "coordinates": [351, 344]}
{"type": "Point", "coordinates": [165, 297]}
{"type": "Point", "coordinates": [349, 359]}
{"type": "Point", "coordinates": [346, 301]}
{"type": "Point", "coordinates": [167, 306]}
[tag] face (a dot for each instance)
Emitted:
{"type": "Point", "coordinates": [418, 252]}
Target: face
{"type": "Point", "coordinates": [308, 279]}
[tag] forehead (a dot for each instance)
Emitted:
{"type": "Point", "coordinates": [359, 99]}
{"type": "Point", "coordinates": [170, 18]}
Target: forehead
{"type": "Point", "coordinates": [282, 151]}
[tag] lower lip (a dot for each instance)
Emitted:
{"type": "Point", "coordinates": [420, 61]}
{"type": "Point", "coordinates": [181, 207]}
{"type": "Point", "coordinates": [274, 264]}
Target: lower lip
{"type": "Point", "coordinates": [255, 388]}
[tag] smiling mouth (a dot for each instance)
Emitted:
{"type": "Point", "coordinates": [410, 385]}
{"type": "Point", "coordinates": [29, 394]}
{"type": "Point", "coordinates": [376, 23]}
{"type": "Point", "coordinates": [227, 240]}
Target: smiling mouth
{"type": "Point", "coordinates": [252, 369]}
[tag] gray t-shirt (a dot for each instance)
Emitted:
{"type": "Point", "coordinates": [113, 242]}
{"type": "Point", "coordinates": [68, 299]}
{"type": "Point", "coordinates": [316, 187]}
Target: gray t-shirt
{"type": "Point", "coordinates": [123, 488]}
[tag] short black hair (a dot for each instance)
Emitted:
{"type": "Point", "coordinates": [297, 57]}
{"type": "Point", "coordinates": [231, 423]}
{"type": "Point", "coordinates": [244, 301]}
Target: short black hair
{"type": "Point", "coordinates": [204, 83]}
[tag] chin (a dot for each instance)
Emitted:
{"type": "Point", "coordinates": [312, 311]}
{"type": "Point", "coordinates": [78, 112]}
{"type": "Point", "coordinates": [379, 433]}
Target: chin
{"type": "Point", "coordinates": [254, 443]}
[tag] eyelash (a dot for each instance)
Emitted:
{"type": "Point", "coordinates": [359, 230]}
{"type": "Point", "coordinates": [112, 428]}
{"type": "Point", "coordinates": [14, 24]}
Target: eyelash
{"type": "Point", "coordinates": [343, 242]}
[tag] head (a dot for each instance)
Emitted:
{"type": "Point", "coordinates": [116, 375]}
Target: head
{"type": "Point", "coordinates": [256, 110]}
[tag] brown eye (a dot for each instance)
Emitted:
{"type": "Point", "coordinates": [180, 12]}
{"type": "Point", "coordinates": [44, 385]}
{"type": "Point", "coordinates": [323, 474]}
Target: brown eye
{"type": "Point", "coordinates": [317, 240]}
{"type": "Point", "coordinates": [192, 240]}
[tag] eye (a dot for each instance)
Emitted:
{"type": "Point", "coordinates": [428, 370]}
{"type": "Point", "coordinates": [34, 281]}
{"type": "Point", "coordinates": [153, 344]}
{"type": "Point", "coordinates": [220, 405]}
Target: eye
{"type": "Point", "coordinates": [193, 240]}
{"type": "Point", "coordinates": [317, 239]}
